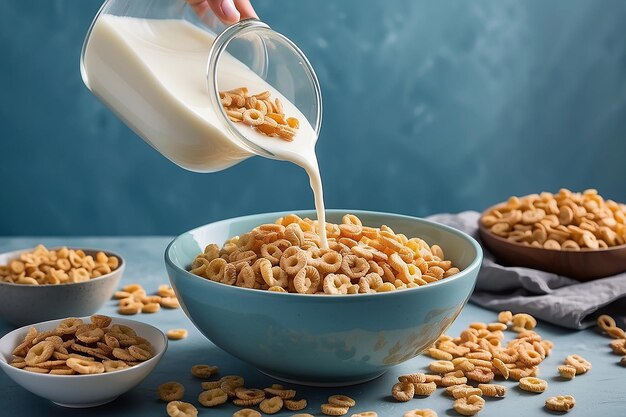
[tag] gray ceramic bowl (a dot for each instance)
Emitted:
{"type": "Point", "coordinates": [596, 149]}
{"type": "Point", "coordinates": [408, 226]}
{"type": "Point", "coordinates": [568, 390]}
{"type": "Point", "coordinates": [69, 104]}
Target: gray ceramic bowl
{"type": "Point", "coordinates": [323, 339]}
{"type": "Point", "coordinates": [26, 304]}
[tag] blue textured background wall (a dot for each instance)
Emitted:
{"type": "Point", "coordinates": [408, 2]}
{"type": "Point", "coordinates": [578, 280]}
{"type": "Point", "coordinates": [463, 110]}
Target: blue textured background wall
{"type": "Point", "coordinates": [430, 106]}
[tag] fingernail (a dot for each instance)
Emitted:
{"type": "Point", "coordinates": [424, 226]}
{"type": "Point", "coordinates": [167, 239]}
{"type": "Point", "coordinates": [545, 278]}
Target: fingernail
{"type": "Point", "coordinates": [230, 12]}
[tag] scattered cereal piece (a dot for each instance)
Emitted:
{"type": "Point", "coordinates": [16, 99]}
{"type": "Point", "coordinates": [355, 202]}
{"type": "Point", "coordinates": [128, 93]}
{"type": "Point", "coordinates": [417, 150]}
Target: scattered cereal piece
{"type": "Point", "coordinates": [181, 409]}
{"type": "Point", "coordinates": [424, 388]}
{"type": "Point", "coordinates": [403, 391]}
{"type": "Point", "coordinates": [295, 405]}
{"type": "Point", "coordinates": [560, 403]}
{"type": "Point", "coordinates": [567, 371]}
{"type": "Point", "coordinates": [492, 390]}
{"type": "Point", "coordinates": [364, 414]}
{"type": "Point", "coordinates": [176, 334]}
{"type": "Point", "coordinates": [469, 406]}
{"type": "Point", "coordinates": [212, 397]}
{"type": "Point", "coordinates": [532, 384]}
{"type": "Point", "coordinates": [334, 410]}
{"type": "Point", "coordinates": [505, 317]}
{"type": "Point", "coordinates": [171, 391]}
{"type": "Point", "coordinates": [271, 405]}
{"type": "Point", "coordinates": [341, 400]}
{"type": "Point", "coordinates": [204, 371]}
{"type": "Point", "coordinates": [579, 363]}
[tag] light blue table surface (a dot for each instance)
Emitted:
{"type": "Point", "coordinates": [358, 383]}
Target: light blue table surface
{"type": "Point", "coordinates": [601, 392]}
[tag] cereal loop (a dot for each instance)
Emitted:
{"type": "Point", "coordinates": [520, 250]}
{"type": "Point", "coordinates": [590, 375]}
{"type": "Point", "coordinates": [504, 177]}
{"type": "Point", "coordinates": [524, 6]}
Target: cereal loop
{"type": "Point", "coordinates": [560, 403]}
{"type": "Point", "coordinates": [171, 391]}
{"type": "Point", "coordinates": [181, 409]}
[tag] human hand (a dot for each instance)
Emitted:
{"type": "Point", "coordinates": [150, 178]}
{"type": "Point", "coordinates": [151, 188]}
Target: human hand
{"type": "Point", "coordinates": [228, 11]}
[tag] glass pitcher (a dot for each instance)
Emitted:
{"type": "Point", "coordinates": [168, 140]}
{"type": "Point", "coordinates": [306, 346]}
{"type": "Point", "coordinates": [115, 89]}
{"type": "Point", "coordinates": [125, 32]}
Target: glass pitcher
{"type": "Point", "coordinates": [160, 68]}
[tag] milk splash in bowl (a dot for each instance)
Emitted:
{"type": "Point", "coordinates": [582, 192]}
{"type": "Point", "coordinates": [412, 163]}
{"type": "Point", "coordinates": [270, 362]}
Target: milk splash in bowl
{"type": "Point", "coordinates": [152, 72]}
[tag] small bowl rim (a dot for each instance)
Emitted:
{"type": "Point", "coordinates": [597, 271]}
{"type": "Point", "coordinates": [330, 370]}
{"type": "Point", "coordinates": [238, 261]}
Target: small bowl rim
{"type": "Point", "coordinates": [157, 355]}
{"type": "Point", "coordinates": [476, 262]}
{"type": "Point", "coordinates": [484, 229]}
{"type": "Point", "coordinates": [120, 268]}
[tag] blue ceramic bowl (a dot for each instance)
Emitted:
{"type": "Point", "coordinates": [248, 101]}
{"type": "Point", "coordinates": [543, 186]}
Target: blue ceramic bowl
{"type": "Point", "coordinates": [322, 339]}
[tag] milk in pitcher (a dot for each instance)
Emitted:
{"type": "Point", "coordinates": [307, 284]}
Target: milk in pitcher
{"type": "Point", "coordinates": [151, 72]}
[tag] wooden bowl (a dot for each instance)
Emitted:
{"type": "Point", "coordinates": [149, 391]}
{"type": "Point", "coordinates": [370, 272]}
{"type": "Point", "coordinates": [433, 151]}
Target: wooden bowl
{"type": "Point", "coordinates": [582, 265]}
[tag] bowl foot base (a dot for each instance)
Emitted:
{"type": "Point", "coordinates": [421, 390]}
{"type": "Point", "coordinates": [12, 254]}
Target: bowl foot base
{"type": "Point", "coordinates": [86, 405]}
{"type": "Point", "coordinates": [321, 383]}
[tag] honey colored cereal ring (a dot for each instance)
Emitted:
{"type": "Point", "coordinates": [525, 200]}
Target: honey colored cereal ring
{"type": "Point", "coordinates": [505, 317]}
{"type": "Point", "coordinates": [334, 410]}
{"type": "Point", "coordinates": [30, 336]}
{"type": "Point", "coordinates": [605, 322]}
{"type": "Point", "coordinates": [253, 117]}
{"type": "Point", "coordinates": [69, 325]}
{"type": "Point", "coordinates": [246, 412]}
{"type": "Point", "coordinates": [466, 391]}
{"type": "Point", "coordinates": [176, 334]}
{"type": "Point", "coordinates": [532, 384]}
{"type": "Point", "coordinates": [449, 380]}
{"type": "Point", "coordinates": [492, 390]}
{"type": "Point", "coordinates": [330, 262]}
{"type": "Point", "coordinates": [249, 393]}
{"type": "Point", "coordinates": [122, 354]}
{"type": "Point", "coordinates": [469, 406]}
{"type": "Point", "coordinates": [204, 371]}
{"type": "Point", "coordinates": [295, 405]}
{"type": "Point", "coordinates": [100, 320]}
{"type": "Point", "coordinates": [41, 352]}
{"type": "Point", "coordinates": [307, 280]}
{"type": "Point", "coordinates": [579, 363]}
{"type": "Point", "coordinates": [450, 390]}
{"type": "Point", "coordinates": [560, 403]}
{"type": "Point", "coordinates": [181, 409]}
{"type": "Point", "coordinates": [403, 391]}
{"type": "Point", "coordinates": [151, 308]}
{"type": "Point", "coordinates": [140, 352]}
{"type": "Point", "coordinates": [293, 260]}
{"type": "Point", "coordinates": [85, 367]}
{"type": "Point", "coordinates": [416, 377]}
{"type": "Point", "coordinates": [167, 291]}
{"type": "Point", "coordinates": [171, 391]}
{"type": "Point", "coordinates": [425, 388]}
{"type": "Point", "coordinates": [212, 397]}
{"type": "Point", "coordinates": [341, 400]}
{"type": "Point", "coordinates": [112, 366]}
{"type": "Point", "coordinates": [424, 412]}
{"type": "Point", "coordinates": [439, 354]}
{"type": "Point", "coordinates": [501, 368]}
{"type": "Point", "coordinates": [616, 333]}
{"type": "Point", "coordinates": [271, 405]}
{"type": "Point", "coordinates": [441, 366]}
{"type": "Point", "coordinates": [567, 371]}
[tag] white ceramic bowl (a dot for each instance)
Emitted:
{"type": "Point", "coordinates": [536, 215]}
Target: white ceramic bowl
{"type": "Point", "coordinates": [80, 391]}
{"type": "Point", "coordinates": [24, 304]}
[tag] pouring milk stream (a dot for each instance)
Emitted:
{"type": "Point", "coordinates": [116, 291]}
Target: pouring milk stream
{"type": "Point", "coordinates": [151, 72]}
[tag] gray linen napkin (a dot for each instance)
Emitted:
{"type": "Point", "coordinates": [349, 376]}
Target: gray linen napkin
{"type": "Point", "coordinates": [547, 296]}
